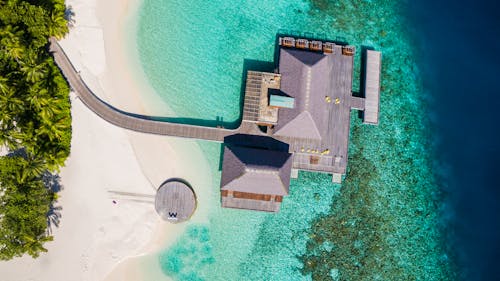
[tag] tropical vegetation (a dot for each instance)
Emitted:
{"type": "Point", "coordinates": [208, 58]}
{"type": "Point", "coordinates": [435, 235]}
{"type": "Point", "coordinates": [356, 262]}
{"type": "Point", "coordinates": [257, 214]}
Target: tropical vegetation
{"type": "Point", "coordinates": [35, 122]}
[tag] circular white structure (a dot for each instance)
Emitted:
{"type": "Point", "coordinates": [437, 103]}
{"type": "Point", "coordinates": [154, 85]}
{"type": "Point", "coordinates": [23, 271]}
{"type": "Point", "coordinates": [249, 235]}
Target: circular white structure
{"type": "Point", "coordinates": [175, 201]}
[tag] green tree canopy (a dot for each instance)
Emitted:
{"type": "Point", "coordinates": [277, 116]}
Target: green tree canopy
{"type": "Point", "coordinates": [35, 121]}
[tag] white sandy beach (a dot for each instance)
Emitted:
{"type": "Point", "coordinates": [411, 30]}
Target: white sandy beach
{"type": "Point", "coordinates": [97, 239]}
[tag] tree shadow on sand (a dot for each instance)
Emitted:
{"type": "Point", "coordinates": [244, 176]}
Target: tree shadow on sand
{"type": "Point", "coordinates": [69, 16]}
{"type": "Point", "coordinates": [53, 183]}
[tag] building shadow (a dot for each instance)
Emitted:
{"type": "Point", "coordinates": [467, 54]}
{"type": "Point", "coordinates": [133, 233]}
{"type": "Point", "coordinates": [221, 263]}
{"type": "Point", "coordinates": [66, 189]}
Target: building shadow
{"type": "Point", "coordinates": [181, 180]}
{"type": "Point", "coordinates": [221, 155]}
{"type": "Point", "coordinates": [219, 122]}
{"type": "Point", "coordinates": [251, 141]}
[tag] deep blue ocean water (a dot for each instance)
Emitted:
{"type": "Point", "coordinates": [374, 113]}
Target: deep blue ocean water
{"type": "Point", "coordinates": [459, 54]}
{"type": "Point", "coordinates": [420, 201]}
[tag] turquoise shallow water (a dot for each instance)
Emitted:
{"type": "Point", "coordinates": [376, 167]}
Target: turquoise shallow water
{"type": "Point", "coordinates": [194, 53]}
{"type": "Point", "coordinates": [384, 223]}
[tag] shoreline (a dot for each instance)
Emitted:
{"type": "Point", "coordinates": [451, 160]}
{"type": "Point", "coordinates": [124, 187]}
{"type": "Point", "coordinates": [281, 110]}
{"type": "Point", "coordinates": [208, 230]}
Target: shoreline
{"type": "Point", "coordinates": [123, 74]}
{"type": "Point", "coordinates": [122, 55]}
{"type": "Point", "coordinates": [99, 239]}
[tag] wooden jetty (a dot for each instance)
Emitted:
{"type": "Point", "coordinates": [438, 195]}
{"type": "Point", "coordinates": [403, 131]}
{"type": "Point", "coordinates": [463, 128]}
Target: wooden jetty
{"type": "Point", "coordinates": [372, 87]}
{"type": "Point", "coordinates": [175, 201]}
{"type": "Point", "coordinates": [132, 122]}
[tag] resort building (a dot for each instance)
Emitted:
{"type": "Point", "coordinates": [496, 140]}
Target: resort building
{"type": "Point", "coordinates": [306, 104]}
{"type": "Point", "coordinates": [254, 178]}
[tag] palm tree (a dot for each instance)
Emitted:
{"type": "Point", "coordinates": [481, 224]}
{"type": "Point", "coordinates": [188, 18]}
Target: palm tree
{"type": "Point", "coordinates": [38, 97]}
{"type": "Point", "coordinates": [53, 129]}
{"type": "Point", "coordinates": [30, 169]}
{"type": "Point", "coordinates": [33, 70]}
{"type": "Point", "coordinates": [55, 157]}
{"type": "Point", "coordinates": [34, 166]}
{"type": "Point", "coordinates": [10, 102]}
{"type": "Point", "coordinates": [4, 87]}
{"type": "Point", "coordinates": [58, 24]}
{"type": "Point", "coordinates": [11, 41]}
{"type": "Point", "coordinates": [34, 246]}
{"type": "Point", "coordinates": [48, 81]}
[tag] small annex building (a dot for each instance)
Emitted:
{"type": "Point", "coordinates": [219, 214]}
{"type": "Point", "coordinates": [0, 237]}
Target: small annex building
{"type": "Point", "coordinates": [255, 178]}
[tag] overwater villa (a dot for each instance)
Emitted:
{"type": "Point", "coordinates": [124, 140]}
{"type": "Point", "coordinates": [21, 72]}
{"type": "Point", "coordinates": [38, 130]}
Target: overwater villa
{"type": "Point", "coordinates": [307, 105]}
{"type": "Point", "coordinates": [296, 118]}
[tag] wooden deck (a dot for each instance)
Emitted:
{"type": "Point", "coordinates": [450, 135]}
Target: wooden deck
{"type": "Point", "coordinates": [372, 87]}
{"type": "Point", "coordinates": [357, 103]}
{"type": "Point", "coordinates": [340, 114]}
{"type": "Point", "coordinates": [330, 154]}
{"type": "Point", "coordinates": [129, 121]}
{"type": "Point", "coordinates": [256, 107]}
{"type": "Point", "coordinates": [252, 96]}
{"type": "Point", "coordinates": [175, 201]}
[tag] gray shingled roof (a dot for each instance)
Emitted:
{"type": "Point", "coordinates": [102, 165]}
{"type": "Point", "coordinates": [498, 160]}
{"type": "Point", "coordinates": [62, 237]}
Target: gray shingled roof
{"type": "Point", "coordinates": [256, 170]}
{"type": "Point", "coordinates": [306, 76]}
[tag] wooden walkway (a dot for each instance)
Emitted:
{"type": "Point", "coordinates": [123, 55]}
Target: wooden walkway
{"type": "Point", "coordinates": [357, 103]}
{"type": "Point", "coordinates": [132, 122]}
{"type": "Point", "coordinates": [372, 87]}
